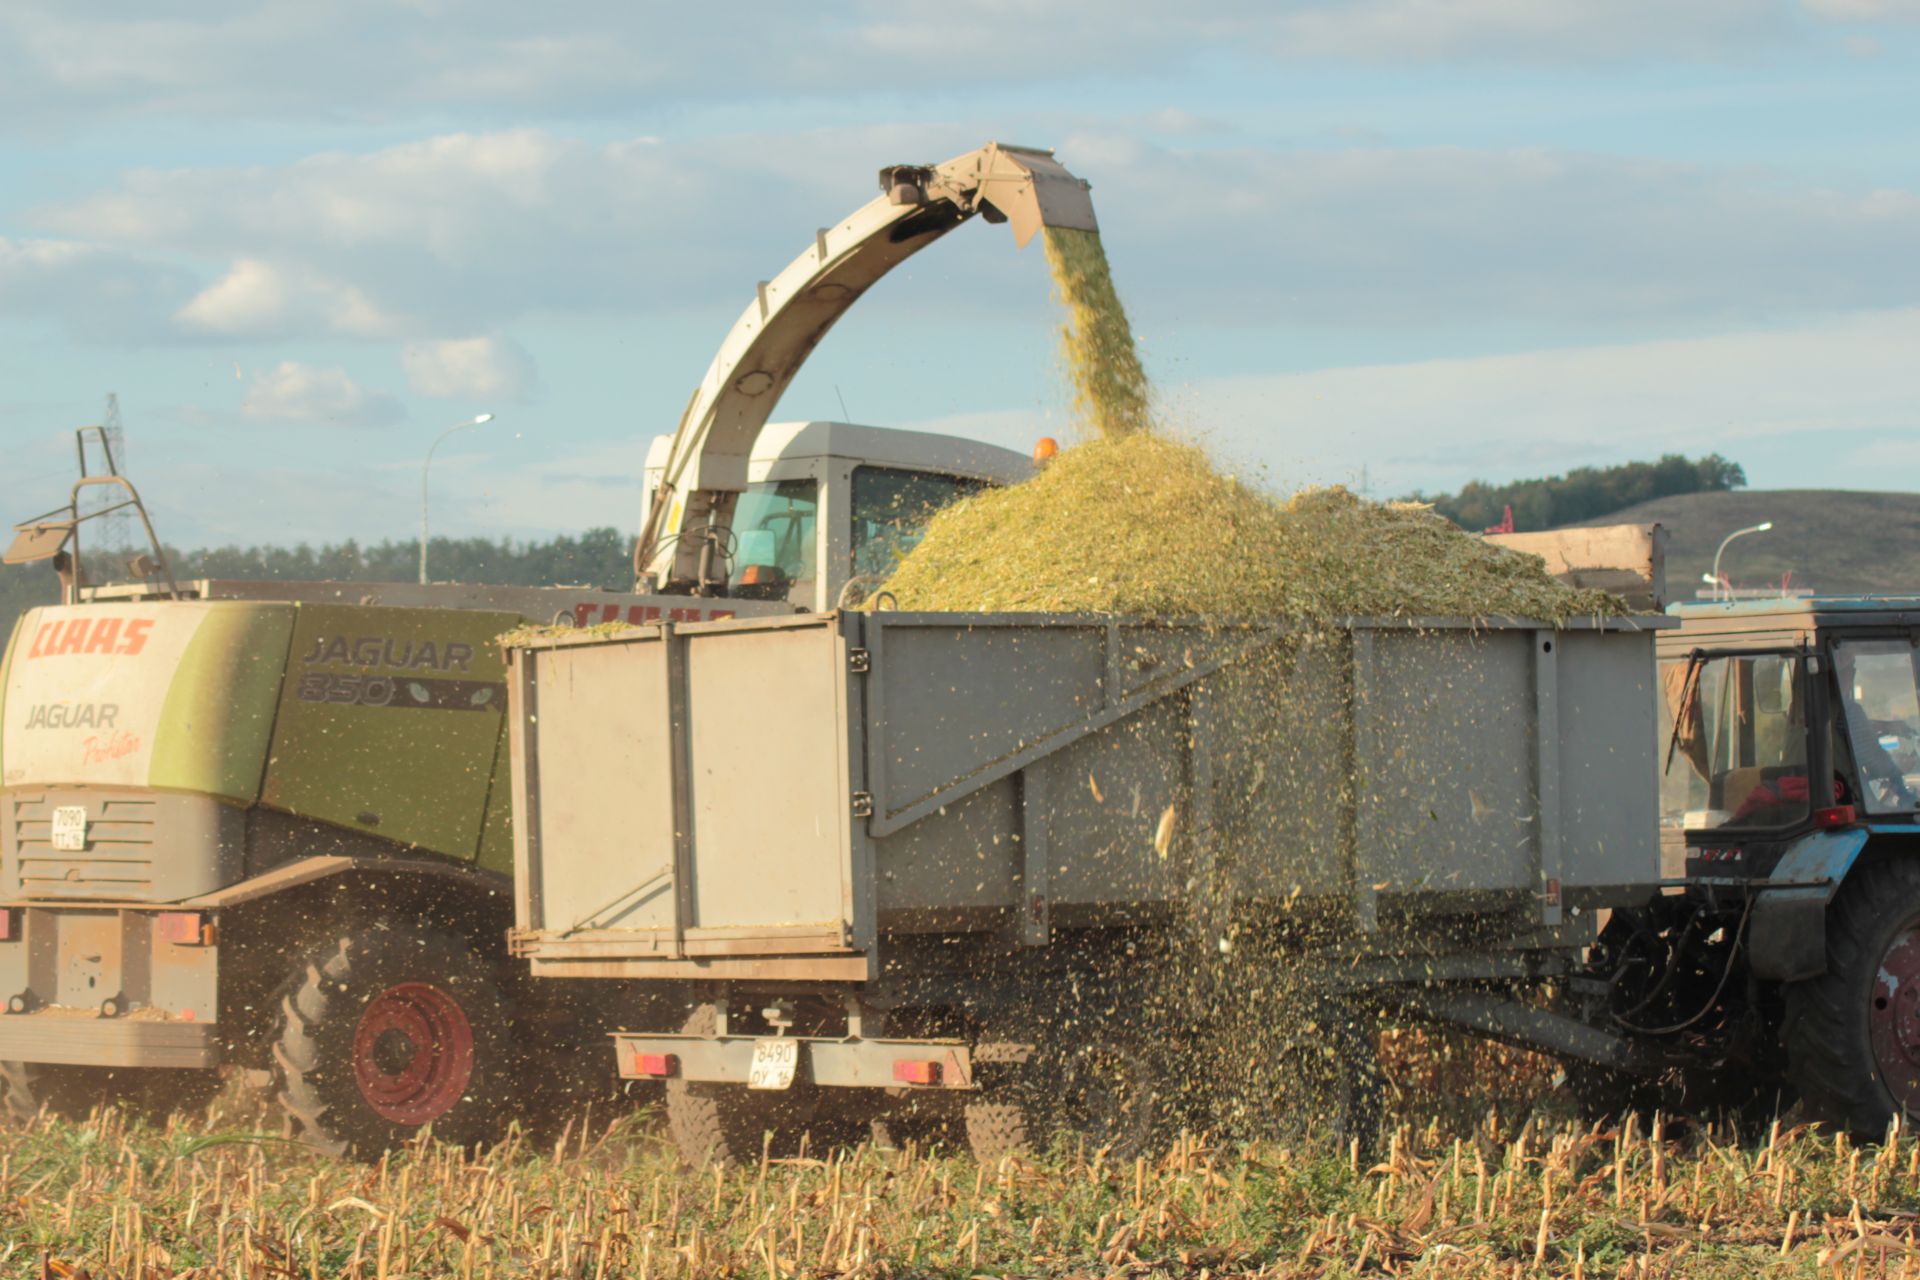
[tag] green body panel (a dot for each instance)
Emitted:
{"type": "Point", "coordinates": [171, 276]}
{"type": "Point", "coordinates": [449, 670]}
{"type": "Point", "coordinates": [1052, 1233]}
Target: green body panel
{"type": "Point", "coordinates": [219, 710]}
{"type": "Point", "coordinates": [496, 833]}
{"type": "Point", "coordinates": [390, 722]}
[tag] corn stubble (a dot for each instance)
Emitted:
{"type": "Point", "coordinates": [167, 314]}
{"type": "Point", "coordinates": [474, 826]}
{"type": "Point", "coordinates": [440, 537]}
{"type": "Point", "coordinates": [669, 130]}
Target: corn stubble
{"type": "Point", "coordinates": [104, 1198]}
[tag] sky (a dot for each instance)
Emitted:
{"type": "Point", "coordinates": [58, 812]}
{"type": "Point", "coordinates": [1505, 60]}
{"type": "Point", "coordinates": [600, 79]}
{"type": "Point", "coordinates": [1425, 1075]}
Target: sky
{"type": "Point", "coordinates": [1396, 244]}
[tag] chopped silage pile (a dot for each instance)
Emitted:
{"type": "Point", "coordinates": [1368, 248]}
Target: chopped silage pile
{"type": "Point", "coordinates": [1141, 525]}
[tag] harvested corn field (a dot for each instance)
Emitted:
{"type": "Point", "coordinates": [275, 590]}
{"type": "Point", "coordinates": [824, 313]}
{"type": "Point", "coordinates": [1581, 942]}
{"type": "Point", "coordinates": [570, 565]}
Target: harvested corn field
{"type": "Point", "coordinates": [102, 1199]}
{"type": "Point", "coordinates": [1143, 525]}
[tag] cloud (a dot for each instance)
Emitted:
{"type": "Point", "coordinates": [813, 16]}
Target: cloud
{"type": "Point", "coordinates": [257, 299]}
{"type": "Point", "coordinates": [96, 291]}
{"type": "Point", "coordinates": [1396, 236]}
{"type": "Point", "coordinates": [287, 58]}
{"type": "Point", "coordinates": [300, 393]}
{"type": "Point", "coordinates": [415, 239]}
{"type": "Point", "coordinates": [485, 368]}
{"type": "Point", "coordinates": [1770, 399]}
{"type": "Point", "coordinates": [1865, 10]}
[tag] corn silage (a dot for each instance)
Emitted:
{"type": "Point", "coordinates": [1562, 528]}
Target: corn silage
{"type": "Point", "coordinates": [1130, 522]}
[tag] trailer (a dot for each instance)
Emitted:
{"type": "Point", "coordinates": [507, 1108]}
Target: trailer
{"type": "Point", "coordinates": [890, 864]}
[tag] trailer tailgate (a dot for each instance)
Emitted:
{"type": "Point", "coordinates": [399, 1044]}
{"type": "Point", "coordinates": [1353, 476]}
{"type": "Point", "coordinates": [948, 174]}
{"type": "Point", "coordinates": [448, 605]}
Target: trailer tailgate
{"type": "Point", "coordinates": [684, 803]}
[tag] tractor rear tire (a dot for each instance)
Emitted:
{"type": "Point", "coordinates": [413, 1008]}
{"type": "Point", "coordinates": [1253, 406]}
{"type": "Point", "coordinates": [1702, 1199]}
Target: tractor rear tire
{"type": "Point", "coordinates": [387, 1031]}
{"type": "Point", "coordinates": [1853, 1033]}
{"type": "Point", "coordinates": [727, 1124]}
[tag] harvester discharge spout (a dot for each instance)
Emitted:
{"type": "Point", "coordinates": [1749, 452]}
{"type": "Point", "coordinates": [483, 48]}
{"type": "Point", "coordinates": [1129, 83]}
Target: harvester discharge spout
{"type": "Point", "coordinates": [684, 540]}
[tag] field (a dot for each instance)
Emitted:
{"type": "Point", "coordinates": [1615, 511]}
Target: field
{"type": "Point", "coordinates": [1831, 541]}
{"type": "Point", "coordinates": [200, 1196]}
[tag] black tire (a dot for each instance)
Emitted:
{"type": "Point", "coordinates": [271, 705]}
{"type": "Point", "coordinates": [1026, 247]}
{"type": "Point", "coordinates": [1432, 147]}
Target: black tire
{"type": "Point", "coordinates": [1104, 1092]}
{"type": "Point", "coordinates": [1831, 1020]}
{"type": "Point", "coordinates": [998, 1127]}
{"type": "Point", "coordinates": [386, 1031]}
{"type": "Point", "coordinates": [727, 1124]}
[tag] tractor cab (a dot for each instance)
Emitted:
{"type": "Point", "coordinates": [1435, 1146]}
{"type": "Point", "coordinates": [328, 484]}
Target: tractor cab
{"type": "Point", "coordinates": [830, 507]}
{"type": "Point", "coordinates": [1781, 718]}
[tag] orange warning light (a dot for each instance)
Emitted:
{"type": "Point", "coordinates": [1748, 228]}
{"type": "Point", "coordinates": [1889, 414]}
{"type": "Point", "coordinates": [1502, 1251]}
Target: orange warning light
{"type": "Point", "coordinates": [1045, 451]}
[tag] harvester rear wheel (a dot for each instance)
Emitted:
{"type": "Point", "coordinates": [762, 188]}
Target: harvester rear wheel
{"type": "Point", "coordinates": [1853, 1033]}
{"type": "Point", "coordinates": [383, 1033]}
{"type": "Point", "coordinates": [727, 1124]}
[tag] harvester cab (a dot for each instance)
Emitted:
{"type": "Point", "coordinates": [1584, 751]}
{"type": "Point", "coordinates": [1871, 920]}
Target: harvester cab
{"type": "Point", "coordinates": [707, 529]}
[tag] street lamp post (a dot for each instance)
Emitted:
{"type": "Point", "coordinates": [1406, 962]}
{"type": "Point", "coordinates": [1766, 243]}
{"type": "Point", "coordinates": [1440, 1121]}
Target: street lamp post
{"type": "Point", "coordinates": [1762, 527]}
{"type": "Point", "coordinates": [475, 421]}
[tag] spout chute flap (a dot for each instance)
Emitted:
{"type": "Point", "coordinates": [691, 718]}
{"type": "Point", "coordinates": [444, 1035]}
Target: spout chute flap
{"type": "Point", "coordinates": [1026, 184]}
{"type": "Point", "coordinates": [707, 462]}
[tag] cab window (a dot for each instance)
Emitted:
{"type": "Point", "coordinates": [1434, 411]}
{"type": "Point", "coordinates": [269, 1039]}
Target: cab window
{"type": "Point", "coordinates": [1734, 742]}
{"type": "Point", "coordinates": [1877, 688]}
{"type": "Point", "coordinates": [773, 540]}
{"type": "Point", "coordinates": [891, 508]}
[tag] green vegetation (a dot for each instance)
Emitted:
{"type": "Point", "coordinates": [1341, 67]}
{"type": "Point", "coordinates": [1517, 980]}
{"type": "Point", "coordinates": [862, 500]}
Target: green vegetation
{"type": "Point", "coordinates": [597, 558]}
{"type": "Point", "coordinates": [1585, 493]}
{"type": "Point", "coordinates": [200, 1198]}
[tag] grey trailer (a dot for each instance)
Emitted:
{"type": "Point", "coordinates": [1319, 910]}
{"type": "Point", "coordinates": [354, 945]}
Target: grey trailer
{"type": "Point", "coordinates": [890, 861]}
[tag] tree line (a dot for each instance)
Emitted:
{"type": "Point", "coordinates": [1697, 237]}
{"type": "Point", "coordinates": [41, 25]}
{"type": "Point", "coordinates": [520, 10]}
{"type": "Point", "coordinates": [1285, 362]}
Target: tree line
{"type": "Point", "coordinates": [597, 558]}
{"type": "Point", "coordinates": [1585, 493]}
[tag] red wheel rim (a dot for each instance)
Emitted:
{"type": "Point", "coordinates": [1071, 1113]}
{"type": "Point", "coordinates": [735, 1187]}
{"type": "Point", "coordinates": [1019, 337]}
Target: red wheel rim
{"type": "Point", "coordinates": [413, 1053]}
{"type": "Point", "coordinates": [1893, 1018]}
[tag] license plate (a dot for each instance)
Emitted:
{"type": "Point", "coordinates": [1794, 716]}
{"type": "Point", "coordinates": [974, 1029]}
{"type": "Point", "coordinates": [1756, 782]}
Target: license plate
{"type": "Point", "coordinates": [774, 1064]}
{"type": "Point", "coordinates": [70, 828]}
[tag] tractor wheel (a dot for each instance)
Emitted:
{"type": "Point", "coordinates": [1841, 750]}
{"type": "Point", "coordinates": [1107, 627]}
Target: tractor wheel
{"type": "Point", "coordinates": [727, 1124]}
{"type": "Point", "coordinates": [386, 1032]}
{"type": "Point", "coordinates": [1853, 1033]}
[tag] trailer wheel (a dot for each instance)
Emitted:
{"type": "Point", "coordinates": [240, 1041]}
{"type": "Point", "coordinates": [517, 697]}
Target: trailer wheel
{"type": "Point", "coordinates": [998, 1127]}
{"type": "Point", "coordinates": [727, 1124]}
{"type": "Point", "coordinates": [384, 1033]}
{"type": "Point", "coordinates": [1853, 1034]}
{"type": "Point", "coordinates": [1105, 1092]}
{"type": "Point", "coordinates": [18, 1100]}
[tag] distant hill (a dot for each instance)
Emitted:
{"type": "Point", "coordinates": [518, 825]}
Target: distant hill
{"type": "Point", "coordinates": [1833, 540]}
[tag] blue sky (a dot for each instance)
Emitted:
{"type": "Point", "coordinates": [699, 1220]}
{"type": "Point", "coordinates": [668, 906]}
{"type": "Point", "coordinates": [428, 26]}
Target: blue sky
{"type": "Point", "coordinates": [1419, 240]}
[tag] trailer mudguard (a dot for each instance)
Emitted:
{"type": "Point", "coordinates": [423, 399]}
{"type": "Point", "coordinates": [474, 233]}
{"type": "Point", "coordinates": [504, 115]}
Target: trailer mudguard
{"type": "Point", "coordinates": [1787, 937]}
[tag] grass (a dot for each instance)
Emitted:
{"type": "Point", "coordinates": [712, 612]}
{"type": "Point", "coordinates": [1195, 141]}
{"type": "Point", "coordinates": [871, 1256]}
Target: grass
{"type": "Point", "coordinates": [108, 1198]}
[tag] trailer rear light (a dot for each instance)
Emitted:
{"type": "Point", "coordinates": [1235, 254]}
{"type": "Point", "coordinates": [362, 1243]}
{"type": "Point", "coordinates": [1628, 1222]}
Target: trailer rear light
{"type": "Point", "coordinates": [1839, 816]}
{"type": "Point", "coordinates": [182, 928]}
{"type": "Point", "coordinates": [915, 1071]}
{"type": "Point", "coordinates": [9, 926]}
{"type": "Point", "coordinates": [658, 1065]}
